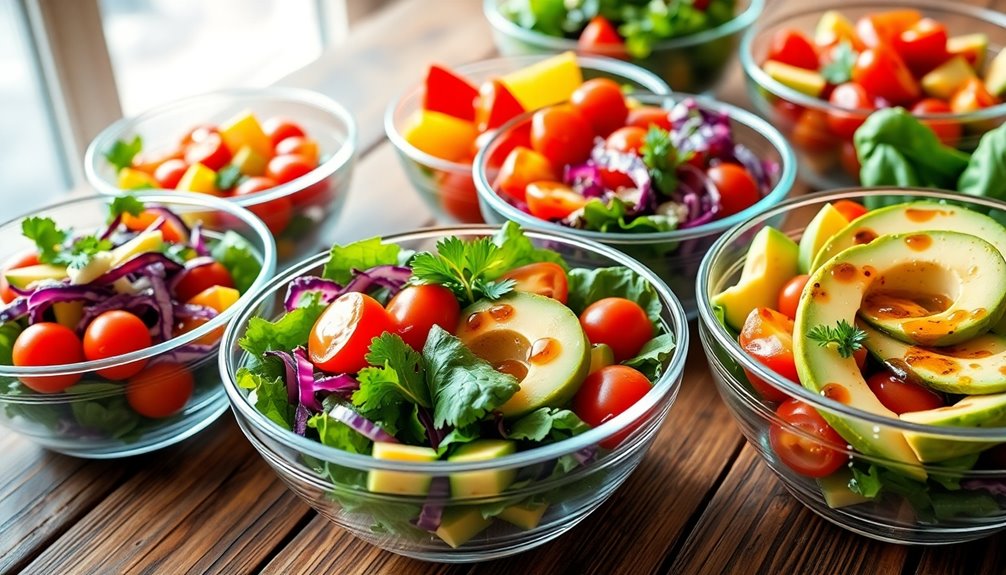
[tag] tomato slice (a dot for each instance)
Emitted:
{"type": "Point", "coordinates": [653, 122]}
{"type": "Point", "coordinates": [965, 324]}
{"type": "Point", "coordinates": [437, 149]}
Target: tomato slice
{"type": "Point", "coordinates": [805, 442]}
{"type": "Point", "coordinates": [902, 396]}
{"type": "Point", "coordinates": [341, 336]}
{"type": "Point", "coordinates": [552, 200]}
{"type": "Point", "coordinates": [767, 336]}
{"type": "Point", "coordinates": [923, 46]}
{"type": "Point", "coordinates": [793, 47]}
{"type": "Point", "coordinates": [881, 28]}
{"type": "Point", "coordinates": [543, 278]}
{"type": "Point", "coordinates": [521, 167]}
{"type": "Point", "coordinates": [883, 73]}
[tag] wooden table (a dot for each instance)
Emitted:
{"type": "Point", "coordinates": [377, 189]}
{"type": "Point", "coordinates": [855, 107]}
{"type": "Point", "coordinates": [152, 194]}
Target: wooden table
{"type": "Point", "coordinates": [701, 501]}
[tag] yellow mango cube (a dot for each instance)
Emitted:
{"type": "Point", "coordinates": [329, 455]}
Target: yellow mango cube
{"type": "Point", "coordinates": [133, 179]}
{"type": "Point", "coordinates": [544, 83]}
{"type": "Point", "coordinates": [199, 178]}
{"type": "Point", "coordinates": [244, 130]}
{"type": "Point", "coordinates": [440, 135]}
{"type": "Point", "coordinates": [249, 162]}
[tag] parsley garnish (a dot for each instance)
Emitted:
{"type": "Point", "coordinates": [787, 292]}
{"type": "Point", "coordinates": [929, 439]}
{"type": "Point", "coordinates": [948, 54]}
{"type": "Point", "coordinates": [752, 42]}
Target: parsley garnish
{"type": "Point", "coordinates": [839, 70]}
{"type": "Point", "coordinates": [463, 267]}
{"type": "Point", "coordinates": [125, 204]}
{"type": "Point", "coordinates": [661, 157]}
{"type": "Point", "coordinates": [847, 338]}
{"type": "Point", "coordinates": [121, 153]}
{"type": "Point", "coordinates": [50, 242]}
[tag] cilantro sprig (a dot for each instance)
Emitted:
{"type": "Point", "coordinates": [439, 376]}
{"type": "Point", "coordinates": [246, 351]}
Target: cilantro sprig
{"type": "Point", "coordinates": [465, 268]}
{"type": "Point", "coordinates": [847, 338]}
{"type": "Point", "coordinates": [662, 158]}
{"type": "Point", "coordinates": [124, 204]}
{"type": "Point", "coordinates": [52, 244]}
{"type": "Point", "coordinates": [121, 153]}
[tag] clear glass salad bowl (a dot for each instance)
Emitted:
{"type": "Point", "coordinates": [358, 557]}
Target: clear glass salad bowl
{"type": "Point", "coordinates": [826, 160]}
{"type": "Point", "coordinates": [674, 255]}
{"type": "Point", "coordinates": [302, 212]}
{"type": "Point", "coordinates": [447, 187]}
{"type": "Point", "coordinates": [897, 515]}
{"type": "Point", "coordinates": [693, 63]}
{"type": "Point", "coordinates": [319, 474]}
{"type": "Point", "coordinates": [93, 418]}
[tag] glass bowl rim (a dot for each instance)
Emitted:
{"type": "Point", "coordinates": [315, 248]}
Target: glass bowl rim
{"type": "Point", "coordinates": [341, 158]}
{"type": "Point", "coordinates": [787, 178]}
{"type": "Point", "coordinates": [722, 338]}
{"type": "Point", "coordinates": [643, 410]}
{"type": "Point", "coordinates": [167, 199]}
{"type": "Point", "coordinates": [754, 71]}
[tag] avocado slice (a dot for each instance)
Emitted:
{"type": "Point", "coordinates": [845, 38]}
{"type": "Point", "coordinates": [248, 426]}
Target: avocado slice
{"type": "Point", "coordinates": [601, 355]}
{"type": "Point", "coordinates": [802, 80]}
{"type": "Point", "coordinates": [536, 339]}
{"type": "Point", "coordinates": [828, 222]}
{"type": "Point", "coordinates": [974, 367]}
{"type": "Point", "coordinates": [459, 524]}
{"type": "Point", "coordinates": [150, 241]}
{"type": "Point", "coordinates": [524, 515]}
{"type": "Point", "coordinates": [913, 217]}
{"type": "Point", "coordinates": [482, 483]}
{"type": "Point", "coordinates": [995, 75]}
{"type": "Point", "coordinates": [943, 81]}
{"type": "Point", "coordinates": [23, 278]}
{"type": "Point", "coordinates": [972, 411]}
{"type": "Point", "coordinates": [771, 261]}
{"type": "Point", "coordinates": [971, 47]}
{"type": "Point", "coordinates": [835, 489]}
{"type": "Point", "coordinates": [400, 482]}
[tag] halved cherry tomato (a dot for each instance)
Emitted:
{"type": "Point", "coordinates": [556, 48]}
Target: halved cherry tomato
{"type": "Point", "coordinates": [608, 392]}
{"type": "Point", "coordinates": [923, 46]}
{"type": "Point", "coordinates": [170, 173]}
{"type": "Point", "coordinates": [849, 209]}
{"type": "Point", "coordinates": [738, 190]}
{"type": "Point", "coordinates": [146, 218]}
{"type": "Point", "coordinates": [600, 102]}
{"type": "Point", "coordinates": [628, 140]}
{"type": "Point", "coordinates": [812, 132]}
{"type": "Point", "coordinates": [618, 322]}
{"type": "Point", "coordinates": [948, 131]}
{"type": "Point", "coordinates": [198, 134]}
{"type": "Point", "coordinates": [793, 47]}
{"type": "Point", "coordinates": [22, 260]}
{"type": "Point", "coordinates": [276, 214]}
{"type": "Point", "coordinates": [210, 152]}
{"type": "Point", "coordinates": [646, 116]}
{"type": "Point", "coordinates": [279, 129]}
{"type": "Point", "coordinates": [562, 135]}
{"type": "Point", "coordinates": [113, 333]}
{"type": "Point", "coordinates": [881, 28]}
{"type": "Point", "coordinates": [850, 96]}
{"type": "Point", "coordinates": [883, 73]}
{"type": "Point", "coordinates": [299, 146]}
{"type": "Point", "coordinates": [459, 197]}
{"type": "Point", "coordinates": [901, 396]}
{"type": "Point", "coordinates": [552, 200]}
{"type": "Point", "coordinates": [814, 456]}
{"type": "Point", "coordinates": [416, 309]}
{"type": "Point", "coordinates": [495, 106]}
{"type": "Point", "coordinates": [767, 336]}
{"type": "Point", "coordinates": [341, 337]}
{"type": "Point", "coordinates": [46, 343]}
{"type": "Point", "coordinates": [789, 296]}
{"type": "Point", "coordinates": [543, 278]}
{"type": "Point", "coordinates": [161, 390]}
{"type": "Point", "coordinates": [287, 168]}
{"type": "Point", "coordinates": [600, 36]}
{"type": "Point", "coordinates": [200, 278]}
{"type": "Point", "coordinates": [518, 136]}
{"type": "Point", "coordinates": [521, 167]}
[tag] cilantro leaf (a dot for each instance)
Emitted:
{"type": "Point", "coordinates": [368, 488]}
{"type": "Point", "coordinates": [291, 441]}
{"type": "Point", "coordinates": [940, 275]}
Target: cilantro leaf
{"type": "Point", "coordinates": [82, 252]}
{"type": "Point", "coordinates": [237, 255]}
{"type": "Point", "coordinates": [228, 177]}
{"type": "Point", "coordinates": [121, 153]}
{"type": "Point", "coordinates": [588, 286]}
{"type": "Point", "coordinates": [124, 204]}
{"type": "Point", "coordinates": [334, 433]}
{"type": "Point", "coordinates": [839, 70]}
{"type": "Point", "coordinates": [390, 350]}
{"type": "Point", "coordinates": [465, 268]}
{"type": "Point", "coordinates": [270, 396]}
{"type": "Point", "coordinates": [847, 338]}
{"type": "Point", "coordinates": [651, 358]}
{"type": "Point", "coordinates": [865, 483]}
{"type": "Point", "coordinates": [661, 157]}
{"type": "Point", "coordinates": [464, 386]}
{"type": "Point", "coordinates": [47, 237]}
{"type": "Point", "coordinates": [548, 423]}
{"type": "Point", "coordinates": [360, 255]}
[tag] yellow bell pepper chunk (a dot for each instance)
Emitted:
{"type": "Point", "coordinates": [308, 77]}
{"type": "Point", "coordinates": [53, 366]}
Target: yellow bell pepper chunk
{"type": "Point", "coordinates": [440, 135]}
{"type": "Point", "coordinates": [199, 178]}
{"type": "Point", "coordinates": [133, 179]}
{"type": "Point", "coordinates": [218, 298]}
{"type": "Point", "coordinates": [244, 130]}
{"type": "Point", "coordinates": [544, 83]}
{"type": "Point", "coordinates": [249, 162]}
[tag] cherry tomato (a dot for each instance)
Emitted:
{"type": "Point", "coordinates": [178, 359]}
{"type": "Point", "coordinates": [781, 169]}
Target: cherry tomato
{"type": "Point", "coordinates": [923, 46]}
{"type": "Point", "coordinates": [883, 73]}
{"type": "Point", "coordinates": [849, 209]}
{"type": "Point", "coordinates": [901, 396]}
{"type": "Point", "coordinates": [299, 146]}
{"type": "Point", "coordinates": [552, 200]}
{"type": "Point", "coordinates": [812, 132]}
{"type": "Point", "coordinates": [850, 96]}
{"type": "Point", "coordinates": [458, 196]}
{"type": "Point", "coordinates": [600, 102]}
{"type": "Point", "coordinates": [618, 322]}
{"type": "Point", "coordinates": [600, 37]}
{"type": "Point", "coordinates": [608, 392]}
{"type": "Point", "coordinates": [146, 218]}
{"type": "Point", "coordinates": [881, 28]}
{"type": "Point", "coordinates": [200, 278]}
{"type": "Point", "coordinates": [789, 296]}
{"type": "Point", "coordinates": [170, 173]}
{"type": "Point", "coordinates": [22, 260]}
{"type": "Point", "coordinates": [276, 214]}
{"type": "Point", "coordinates": [198, 134]}
{"type": "Point", "coordinates": [161, 390]}
{"type": "Point", "coordinates": [543, 278]}
{"type": "Point", "coordinates": [628, 140]}
{"type": "Point", "coordinates": [948, 131]}
{"type": "Point", "coordinates": [279, 129]}
{"type": "Point", "coordinates": [416, 309]}
{"type": "Point", "coordinates": [521, 167]}
{"type": "Point", "coordinates": [814, 456]}
{"type": "Point", "coordinates": [284, 169]}
{"type": "Point", "coordinates": [792, 47]}
{"type": "Point", "coordinates": [341, 337]}
{"type": "Point", "coordinates": [646, 116]}
{"type": "Point", "coordinates": [767, 336]}
{"type": "Point", "coordinates": [562, 135]}
{"type": "Point", "coordinates": [149, 161]}
{"type": "Point", "coordinates": [849, 159]}
{"type": "Point", "coordinates": [113, 333]}
{"type": "Point", "coordinates": [47, 343]}
{"type": "Point", "coordinates": [738, 190]}
{"type": "Point", "coordinates": [210, 152]}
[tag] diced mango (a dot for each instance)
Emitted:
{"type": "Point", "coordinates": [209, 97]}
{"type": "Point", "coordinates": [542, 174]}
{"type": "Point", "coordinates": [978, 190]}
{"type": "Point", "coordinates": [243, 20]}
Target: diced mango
{"type": "Point", "coordinates": [244, 130]}
{"type": "Point", "coordinates": [199, 178]}
{"type": "Point", "coordinates": [440, 135]}
{"type": "Point", "coordinates": [804, 81]}
{"type": "Point", "coordinates": [218, 298]}
{"type": "Point", "coordinates": [948, 78]}
{"type": "Point", "coordinates": [133, 179]}
{"type": "Point", "coordinates": [834, 27]}
{"type": "Point", "coordinates": [460, 524]}
{"type": "Point", "coordinates": [972, 47]}
{"type": "Point", "coordinates": [151, 241]}
{"type": "Point", "coordinates": [400, 482]}
{"type": "Point", "coordinates": [525, 515]}
{"type": "Point", "coordinates": [249, 162]}
{"type": "Point", "coordinates": [545, 83]}
{"type": "Point", "coordinates": [68, 313]}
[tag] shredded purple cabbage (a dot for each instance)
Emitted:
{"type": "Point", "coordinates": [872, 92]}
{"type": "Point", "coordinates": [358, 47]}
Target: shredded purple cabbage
{"type": "Point", "coordinates": [993, 486]}
{"type": "Point", "coordinates": [138, 305]}
{"type": "Point", "coordinates": [139, 265]}
{"type": "Point", "coordinates": [585, 455]}
{"type": "Point", "coordinates": [198, 241]}
{"type": "Point", "coordinates": [632, 166]}
{"type": "Point", "coordinates": [44, 297]}
{"type": "Point", "coordinates": [193, 311]}
{"type": "Point", "coordinates": [432, 512]}
{"type": "Point", "coordinates": [585, 179]}
{"type": "Point", "coordinates": [343, 384]}
{"type": "Point", "coordinates": [327, 291]}
{"type": "Point", "coordinates": [699, 195]}
{"type": "Point", "coordinates": [393, 278]}
{"type": "Point", "coordinates": [162, 298]}
{"type": "Point", "coordinates": [169, 216]}
{"type": "Point", "coordinates": [14, 310]}
{"type": "Point", "coordinates": [700, 130]}
{"type": "Point", "coordinates": [360, 424]}
{"type": "Point", "coordinates": [112, 227]}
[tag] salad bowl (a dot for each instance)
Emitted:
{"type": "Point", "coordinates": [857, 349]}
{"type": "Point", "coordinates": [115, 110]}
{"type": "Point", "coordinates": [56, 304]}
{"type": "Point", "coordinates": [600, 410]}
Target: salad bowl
{"type": "Point", "coordinates": [423, 505]}
{"type": "Point", "coordinates": [876, 443]}
{"type": "Point", "coordinates": [120, 397]}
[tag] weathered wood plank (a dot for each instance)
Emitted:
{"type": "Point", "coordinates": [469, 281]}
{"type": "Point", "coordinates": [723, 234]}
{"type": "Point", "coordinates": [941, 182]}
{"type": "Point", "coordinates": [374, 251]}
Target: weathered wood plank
{"type": "Point", "coordinates": [984, 556]}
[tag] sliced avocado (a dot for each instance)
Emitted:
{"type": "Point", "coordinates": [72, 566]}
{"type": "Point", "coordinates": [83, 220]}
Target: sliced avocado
{"type": "Point", "coordinates": [601, 355]}
{"type": "Point", "coordinates": [68, 313]}
{"type": "Point", "coordinates": [972, 411]}
{"type": "Point", "coordinates": [972, 47]}
{"type": "Point", "coordinates": [825, 224]}
{"type": "Point", "coordinates": [995, 75]}
{"type": "Point", "coordinates": [943, 81]}
{"type": "Point", "coordinates": [933, 288]}
{"type": "Point", "coordinates": [913, 217]}
{"type": "Point", "coordinates": [802, 80]}
{"type": "Point", "coordinates": [535, 338]}
{"type": "Point", "coordinates": [459, 524]}
{"type": "Point", "coordinates": [834, 294]}
{"type": "Point", "coordinates": [22, 278]}
{"type": "Point", "coordinates": [482, 483]}
{"type": "Point", "coordinates": [100, 263]}
{"type": "Point", "coordinates": [525, 515]}
{"type": "Point", "coordinates": [400, 482]}
{"type": "Point", "coordinates": [771, 261]}
{"type": "Point", "coordinates": [151, 241]}
{"type": "Point", "coordinates": [973, 367]}
{"type": "Point", "coordinates": [835, 489]}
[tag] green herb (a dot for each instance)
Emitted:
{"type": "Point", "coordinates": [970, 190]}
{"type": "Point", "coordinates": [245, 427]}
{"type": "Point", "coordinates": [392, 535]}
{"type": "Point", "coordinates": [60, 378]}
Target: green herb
{"type": "Point", "coordinates": [519, 250]}
{"type": "Point", "coordinates": [82, 251]}
{"type": "Point", "coordinates": [847, 338]}
{"type": "Point", "coordinates": [548, 423]}
{"type": "Point", "coordinates": [112, 415]}
{"type": "Point", "coordinates": [237, 255]}
{"type": "Point", "coordinates": [459, 436]}
{"type": "Point", "coordinates": [661, 157]}
{"type": "Point", "coordinates": [464, 268]}
{"type": "Point", "coordinates": [613, 216]}
{"type": "Point", "coordinates": [271, 399]}
{"type": "Point", "coordinates": [396, 381]}
{"type": "Point", "coordinates": [360, 255]}
{"type": "Point", "coordinates": [124, 204]}
{"type": "Point", "coordinates": [121, 153]}
{"type": "Point", "coordinates": [286, 333]}
{"type": "Point", "coordinates": [651, 359]}
{"type": "Point", "coordinates": [839, 70]}
{"type": "Point", "coordinates": [49, 240]}
{"type": "Point", "coordinates": [865, 483]}
{"type": "Point", "coordinates": [8, 334]}
{"type": "Point", "coordinates": [228, 177]}
{"type": "Point", "coordinates": [588, 286]}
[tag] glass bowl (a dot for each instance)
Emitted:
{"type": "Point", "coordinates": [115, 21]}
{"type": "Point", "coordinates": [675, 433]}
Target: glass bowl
{"type": "Point", "coordinates": [302, 212]}
{"type": "Point", "coordinates": [674, 255]}
{"type": "Point", "coordinates": [93, 418]}
{"type": "Point", "coordinates": [826, 159]}
{"type": "Point", "coordinates": [693, 63]}
{"type": "Point", "coordinates": [890, 517]}
{"type": "Point", "coordinates": [447, 187]}
{"type": "Point", "coordinates": [308, 467]}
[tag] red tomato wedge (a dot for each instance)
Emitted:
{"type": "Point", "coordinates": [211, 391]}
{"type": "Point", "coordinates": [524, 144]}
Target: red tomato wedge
{"type": "Point", "coordinates": [600, 37]}
{"type": "Point", "coordinates": [883, 73]}
{"type": "Point", "coordinates": [923, 46]}
{"type": "Point", "coordinates": [881, 28]}
{"type": "Point", "coordinates": [767, 336]}
{"type": "Point", "coordinates": [521, 167]}
{"type": "Point", "coordinates": [496, 105]}
{"type": "Point", "coordinates": [341, 337]}
{"type": "Point", "coordinates": [793, 47]}
{"type": "Point", "coordinates": [543, 278]}
{"type": "Point", "coordinates": [450, 94]}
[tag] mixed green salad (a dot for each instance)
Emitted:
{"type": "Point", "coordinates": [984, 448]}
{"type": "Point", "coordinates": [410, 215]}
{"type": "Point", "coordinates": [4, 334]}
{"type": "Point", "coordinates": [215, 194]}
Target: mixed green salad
{"type": "Point", "coordinates": [896, 312]}
{"type": "Point", "coordinates": [474, 351]}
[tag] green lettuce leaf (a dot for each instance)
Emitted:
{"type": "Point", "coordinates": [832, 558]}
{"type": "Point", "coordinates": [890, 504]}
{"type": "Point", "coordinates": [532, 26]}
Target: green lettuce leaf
{"type": "Point", "coordinates": [270, 398]}
{"type": "Point", "coordinates": [285, 334]}
{"type": "Point", "coordinates": [8, 335]}
{"type": "Point", "coordinates": [360, 255]}
{"type": "Point", "coordinates": [650, 360]}
{"type": "Point", "coordinates": [518, 250]}
{"type": "Point", "coordinates": [547, 423]}
{"type": "Point", "coordinates": [611, 217]}
{"type": "Point", "coordinates": [334, 433]}
{"type": "Point", "coordinates": [588, 286]}
{"type": "Point", "coordinates": [237, 255]}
